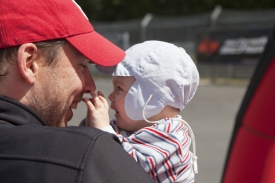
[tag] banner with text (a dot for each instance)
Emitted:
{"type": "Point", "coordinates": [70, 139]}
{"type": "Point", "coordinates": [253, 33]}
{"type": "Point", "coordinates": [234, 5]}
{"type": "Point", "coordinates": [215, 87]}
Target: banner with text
{"type": "Point", "coordinates": [234, 47]}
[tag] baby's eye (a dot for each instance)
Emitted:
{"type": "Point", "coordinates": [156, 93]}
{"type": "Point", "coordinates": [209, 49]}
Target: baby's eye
{"type": "Point", "coordinates": [119, 88]}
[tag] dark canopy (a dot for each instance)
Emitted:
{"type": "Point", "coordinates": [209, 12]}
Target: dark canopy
{"type": "Point", "coordinates": [251, 154]}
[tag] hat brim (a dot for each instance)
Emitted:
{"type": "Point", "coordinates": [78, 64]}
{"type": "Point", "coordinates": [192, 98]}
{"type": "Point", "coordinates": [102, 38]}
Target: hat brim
{"type": "Point", "coordinates": [97, 48]}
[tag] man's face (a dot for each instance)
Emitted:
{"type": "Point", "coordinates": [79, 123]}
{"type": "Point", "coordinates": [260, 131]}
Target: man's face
{"type": "Point", "coordinates": [62, 86]}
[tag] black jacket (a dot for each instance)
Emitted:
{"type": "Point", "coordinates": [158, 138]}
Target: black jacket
{"type": "Point", "coordinates": [32, 152]}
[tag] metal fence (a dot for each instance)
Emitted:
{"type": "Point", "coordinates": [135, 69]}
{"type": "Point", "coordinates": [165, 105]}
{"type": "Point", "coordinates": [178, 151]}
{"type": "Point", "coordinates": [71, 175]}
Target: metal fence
{"type": "Point", "coordinates": [225, 71]}
{"type": "Point", "coordinates": [184, 31]}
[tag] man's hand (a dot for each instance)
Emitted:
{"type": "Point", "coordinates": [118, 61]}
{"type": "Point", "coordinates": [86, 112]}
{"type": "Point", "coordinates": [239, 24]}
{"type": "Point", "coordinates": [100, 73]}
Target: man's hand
{"type": "Point", "coordinates": [97, 113]}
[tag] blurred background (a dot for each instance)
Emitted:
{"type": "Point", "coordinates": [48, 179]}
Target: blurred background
{"type": "Point", "coordinates": [225, 38]}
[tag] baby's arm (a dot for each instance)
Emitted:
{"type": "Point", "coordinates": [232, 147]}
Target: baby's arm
{"type": "Point", "coordinates": [97, 113]}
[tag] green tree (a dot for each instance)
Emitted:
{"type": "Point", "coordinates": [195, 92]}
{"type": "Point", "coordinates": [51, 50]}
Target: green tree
{"type": "Point", "coordinates": [114, 10]}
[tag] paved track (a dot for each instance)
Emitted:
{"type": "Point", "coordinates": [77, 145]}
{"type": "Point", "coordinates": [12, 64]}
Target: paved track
{"type": "Point", "coordinates": [211, 115]}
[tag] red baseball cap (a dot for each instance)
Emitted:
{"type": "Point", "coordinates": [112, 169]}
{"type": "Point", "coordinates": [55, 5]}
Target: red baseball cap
{"type": "Point", "coordinates": [24, 21]}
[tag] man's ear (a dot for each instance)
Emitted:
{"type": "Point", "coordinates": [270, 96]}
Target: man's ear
{"type": "Point", "coordinates": [28, 61]}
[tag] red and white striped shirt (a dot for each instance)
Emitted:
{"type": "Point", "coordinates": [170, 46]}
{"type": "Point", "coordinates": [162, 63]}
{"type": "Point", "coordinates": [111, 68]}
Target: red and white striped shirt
{"type": "Point", "coordinates": [161, 149]}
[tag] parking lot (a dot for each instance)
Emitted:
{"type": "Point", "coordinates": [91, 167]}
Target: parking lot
{"type": "Point", "coordinates": [211, 115]}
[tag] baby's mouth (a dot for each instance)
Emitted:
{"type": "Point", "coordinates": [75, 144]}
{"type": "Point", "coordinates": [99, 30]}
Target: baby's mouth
{"type": "Point", "coordinates": [114, 110]}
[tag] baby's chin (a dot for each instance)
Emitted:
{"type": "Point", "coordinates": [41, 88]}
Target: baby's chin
{"type": "Point", "coordinates": [121, 125]}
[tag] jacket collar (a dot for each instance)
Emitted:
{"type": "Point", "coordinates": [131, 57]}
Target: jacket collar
{"type": "Point", "coordinates": [17, 113]}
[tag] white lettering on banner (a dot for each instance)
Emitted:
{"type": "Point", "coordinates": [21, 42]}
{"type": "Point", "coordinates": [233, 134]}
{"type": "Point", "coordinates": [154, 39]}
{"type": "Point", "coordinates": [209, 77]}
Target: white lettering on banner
{"type": "Point", "coordinates": [243, 46]}
{"type": "Point", "coordinates": [80, 9]}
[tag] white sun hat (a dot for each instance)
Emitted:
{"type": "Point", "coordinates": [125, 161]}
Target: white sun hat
{"type": "Point", "coordinates": [162, 70]}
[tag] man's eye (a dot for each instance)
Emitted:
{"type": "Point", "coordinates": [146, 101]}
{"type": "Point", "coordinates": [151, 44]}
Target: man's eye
{"type": "Point", "coordinates": [83, 65]}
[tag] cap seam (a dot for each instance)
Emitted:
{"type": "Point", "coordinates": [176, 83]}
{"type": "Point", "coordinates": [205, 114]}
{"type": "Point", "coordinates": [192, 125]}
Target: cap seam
{"type": "Point", "coordinates": [66, 28]}
{"type": "Point", "coordinates": [72, 35]}
{"type": "Point", "coordinates": [3, 27]}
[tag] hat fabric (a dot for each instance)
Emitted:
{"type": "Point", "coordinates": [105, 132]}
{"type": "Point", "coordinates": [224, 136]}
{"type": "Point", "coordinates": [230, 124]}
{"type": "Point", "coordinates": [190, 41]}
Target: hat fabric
{"type": "Point", "coordinates": [24, 21]}
{"type": "Point", "coordinates": [161, 69]}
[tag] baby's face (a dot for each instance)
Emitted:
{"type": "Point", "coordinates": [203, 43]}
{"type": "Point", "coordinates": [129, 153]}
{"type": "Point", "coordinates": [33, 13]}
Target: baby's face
{"type": "Point", "coordinates": [121, 86]}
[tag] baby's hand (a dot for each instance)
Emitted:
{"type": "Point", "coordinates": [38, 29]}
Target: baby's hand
{"type": "Point", "coordinates": [97, 113]}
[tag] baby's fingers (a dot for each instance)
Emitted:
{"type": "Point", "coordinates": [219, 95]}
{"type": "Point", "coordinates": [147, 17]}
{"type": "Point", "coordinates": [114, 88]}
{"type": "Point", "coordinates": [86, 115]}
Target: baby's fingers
{"type": "Point", "coordinates": [103, 100]}
{"type": "Point", "coordinates": [99, 93]}
{"type": "Point", "coordinates": [89, 103]}
{"type": "Point", "coordinates": [96, 101]}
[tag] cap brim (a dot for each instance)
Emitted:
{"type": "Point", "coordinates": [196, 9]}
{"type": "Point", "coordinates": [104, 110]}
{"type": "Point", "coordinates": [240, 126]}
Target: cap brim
{"type": "Point", "coordinates": [97, 48]}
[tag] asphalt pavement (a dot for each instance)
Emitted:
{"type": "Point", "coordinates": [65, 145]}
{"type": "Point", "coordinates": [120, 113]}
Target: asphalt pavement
{"type": "Point", "coordinates": [211, 115]}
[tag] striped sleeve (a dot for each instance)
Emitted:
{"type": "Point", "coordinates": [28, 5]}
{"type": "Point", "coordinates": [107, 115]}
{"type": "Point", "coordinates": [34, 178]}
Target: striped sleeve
{"type": "Point", "coordinates": [162, 150]}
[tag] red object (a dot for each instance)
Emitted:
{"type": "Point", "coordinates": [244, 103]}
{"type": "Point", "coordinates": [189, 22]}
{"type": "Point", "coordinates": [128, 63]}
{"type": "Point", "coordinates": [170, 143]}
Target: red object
{"type": "Point", "coordinates": [208, 47]}
{"type": "Point", "coordinates": [251, 157]}
{"type": "Point", "coordinates": [24, 21]}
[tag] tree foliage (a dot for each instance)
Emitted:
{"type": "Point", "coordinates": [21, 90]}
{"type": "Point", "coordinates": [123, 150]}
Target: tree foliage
{"type": "Point", "coordinates": [115, 10]}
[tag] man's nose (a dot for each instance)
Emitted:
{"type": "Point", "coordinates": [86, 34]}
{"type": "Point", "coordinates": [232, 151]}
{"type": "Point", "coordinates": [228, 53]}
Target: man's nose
{"type": "Point", "coordinates": [111, 96]}
{"type": "Point", "coordinates": [90, 86]}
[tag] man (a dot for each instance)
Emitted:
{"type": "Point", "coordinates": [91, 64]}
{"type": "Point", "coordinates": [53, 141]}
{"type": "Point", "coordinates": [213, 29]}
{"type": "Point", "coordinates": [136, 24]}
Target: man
{"type": "Point", "coordinates": [45, 48]}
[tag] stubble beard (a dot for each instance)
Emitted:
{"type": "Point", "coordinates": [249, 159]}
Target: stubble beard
{"type": "Point", "coordinates": [48, 103]}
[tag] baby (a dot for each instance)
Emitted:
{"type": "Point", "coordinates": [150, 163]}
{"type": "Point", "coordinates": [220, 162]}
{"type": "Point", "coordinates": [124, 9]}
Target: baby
{"type": "Point", "coordinates": [151, 86]}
